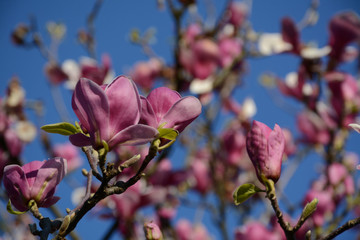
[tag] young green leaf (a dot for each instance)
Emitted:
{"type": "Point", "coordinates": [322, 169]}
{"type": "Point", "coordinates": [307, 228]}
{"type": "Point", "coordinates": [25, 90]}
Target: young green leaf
{"type": "Point", "coordinates": [309, 208]}
{"type": "Point", "coordinates": [244, 192]}
{"type": "Point", "coordinates": [168, 133]}
{"type": "Point", "coordinates": [12, 211]}
{"type": "Point", "coordinates": [62, 128]}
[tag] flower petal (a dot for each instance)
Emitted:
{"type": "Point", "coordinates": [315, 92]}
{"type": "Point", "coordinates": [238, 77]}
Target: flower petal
{"type": "Point", "coordinates": [161, 100]}
{"type": "Point", "coordinates": [125, 106]}
{"type": "Point", "coordinates": [134, 135]}
{"type": "Point", "coordinates": [91, 106]}
{"type": "Point", "coordinates": [182, 113]}
{"type": "Point", "coordinates": [49, 176]}
{"type": "Point", "coordinates": [148, 116]}
{"type": "Point", "coordinates": [276, 147]}
{"type": "Point", "coordinates": [80, 140]}
{"type": "Point", "coordinates": [16, 186]}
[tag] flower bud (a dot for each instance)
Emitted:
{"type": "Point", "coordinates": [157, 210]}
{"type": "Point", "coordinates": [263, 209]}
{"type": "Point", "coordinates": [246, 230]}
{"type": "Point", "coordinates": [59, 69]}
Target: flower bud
{"type": "Point", "coordinates": [152, 231]}
{"type": "Point", "coordinates": [265, 148]}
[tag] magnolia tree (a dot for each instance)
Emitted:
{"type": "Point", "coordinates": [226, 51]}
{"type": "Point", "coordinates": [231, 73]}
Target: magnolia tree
{"type": "Point", "coordinates": [184, 110]}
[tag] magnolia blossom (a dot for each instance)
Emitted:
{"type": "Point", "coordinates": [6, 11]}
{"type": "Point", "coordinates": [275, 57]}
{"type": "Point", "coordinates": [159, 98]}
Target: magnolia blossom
{"type": "Point", "coordinates": [70, 153]}
{"type": "Point", "coordinates": [290, 34]}
{"type": "Point", "coordinates": [166, 108]}
{"type": "Point", "coordinates": [152, 231]}
{"type": "Point", "coordinates": [255, 231]}
{"type": "Point", "coordinates": [229, 49]}
{"type": "Point", "coordinates": [144, 73]}
{"type": "Point", "coordinates": [265, 148]}
{"type": "Point", "coordinates": [188, 231]}
{"type": "Point", "coordinates": [238, 12]}
{"type": "Point", "coordinates": [34, 181]}
{"type": "Point", "coordinates": [109, 113]}
{"type": "Point", "coordinates": [344, 29]}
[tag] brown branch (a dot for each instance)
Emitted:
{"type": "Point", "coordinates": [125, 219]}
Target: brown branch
{"type": "Point", "coordinates": [349, 224]}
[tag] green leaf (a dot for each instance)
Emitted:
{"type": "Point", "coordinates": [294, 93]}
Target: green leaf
{"type": "Point", "coordinates": [62, 128]}
{"type": "Point", "coordinates": [168, 133]}
{"type": "Point", "coordinates": [12, 211]}
{"type": "Point", "coordinates": [309, 208]}
{"type": "Point", "coordinates": [244, 192]}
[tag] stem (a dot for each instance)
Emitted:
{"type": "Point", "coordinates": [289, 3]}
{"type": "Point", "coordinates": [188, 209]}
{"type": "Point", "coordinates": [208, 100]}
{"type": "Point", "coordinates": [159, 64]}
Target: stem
{"type": "Point", "coordinates": [349, 224]}
{"type": "Point", "coordinates": [111, 230]}
{"type": "Point", "coordinates": [271, 195]}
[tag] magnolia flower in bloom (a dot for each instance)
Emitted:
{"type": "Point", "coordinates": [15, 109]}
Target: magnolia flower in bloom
{"type": "Point", "coordinates": [70, 153]}
{"type": "Point", "coordinates": [109, 113]}
{"type": "Point", "coordinates": [34, 181]}
{"type": "Point", "coordinates": [238, 12]}
{"type": "Point", "coordinates": [166, 108]}
{"type": "Point", "coordinates": [144, 73]}
{"type": "Point", "coordinates": [188, 231]}
{"type": "Point", "coordinates": [265, 148]}
{"type": "Point", "coordinates": [255, 231]}
{"type": "Point", "coordinates": [290, 34]}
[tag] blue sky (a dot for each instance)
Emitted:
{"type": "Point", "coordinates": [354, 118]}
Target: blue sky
{"type": "Point", "coordinates": [113, 25]}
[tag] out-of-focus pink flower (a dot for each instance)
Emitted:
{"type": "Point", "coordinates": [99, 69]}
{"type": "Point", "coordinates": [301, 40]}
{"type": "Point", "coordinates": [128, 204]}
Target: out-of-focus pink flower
{"type": "Point", "coordinates": [91, 70]}
{"type": "Point", "coordinates": [325, 206]}
{"type": "Point", "coordinates": [165, 106]}
{"type": "Point", "coordinates": [238, 12]}
{"type": "Point", "coordinates": [229, 49]}
{"type": "Point", "coordinates": [188, 231]}
{"type": "Point", "coordinates": [13, 142]}
{"type": "Point", "coordinates": [152, 231]}
{"type": "Point", "coordinates": [70, 153]}
{"type": "Point", "coordinates": [200, 58]}
{"type": "Point", "coordinates": [3, 163]}
{"type": "Point", "coordinates": [290, 34]}
{"type": "Point", "coordinates": [313, 128]}
{"type": "Point", "coordinates": [54, 73]}
{"type": "Point", "coordinates": [34, 181]}
{"type": "Point", "coordinates": [144, 73]}
{"type": "Point", "coordinates": [166, 176]}
{"type": "Point", "coordinates": [200, 170]}
{"type": "Point", "coordinates": [295, 86]}
{"type": "Point", "coordinates": [234, 143]}
{"type": "Point", "coordinates": [265, 148]}
{"type": "Point", "coordinates": [344, 29]}
{"type": "Point", "coordinates": [337, 173]}
{"type": "Point", "coordinates": [290, 146]}
{"type": "Point", "coordinates": [255, 231]}
{"type": "Point", "coordinates": [345, 95]}
{"type": "Point", "coordinates": [110, 114]}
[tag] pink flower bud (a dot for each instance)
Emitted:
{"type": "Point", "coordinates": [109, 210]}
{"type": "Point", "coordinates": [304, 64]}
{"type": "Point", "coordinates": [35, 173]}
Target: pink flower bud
{"type": "Point", "coordinates": [54, 73]}
{"type": "Point", "coordinates": [152, 231]}
{"type": "Point", "coordinates": [265, 148]}
{"type": "Point", "coordinates": [34, 181]}
{"type": "Point", "coordinates": [290, 34]}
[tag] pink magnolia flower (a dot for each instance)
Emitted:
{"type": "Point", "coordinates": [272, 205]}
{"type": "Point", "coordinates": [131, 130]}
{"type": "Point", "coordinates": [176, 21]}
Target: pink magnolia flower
{"type": "Point", "coordinates": [200, 58]}
{"type": "Point", "coordinates": [238, 12]}
{"type": "Point", "coordinates": [255, 231]}
{"type": "Point", "coordinates": [265, 148]}
{"type": "Point", "coordinates": [229, 49]}
{"type": "Point", "coordinates": [91, 70]}
{"type": "Point", "coordinates": [110, 113]}
{"type": "Point", "coordinates": [165, 106]}
{"type": "Point", "coordinates": [54, 73]}
{"type": "Point", "coordinates": [34, 181]}
{"type": "Point", "coordinates": [13, 142]}
{"type": "Point", "coordinates": [290, 34]}
{"type": "Point", "coordinates": [234, 143]}
{"type": "Point", "coordinates": [344, 29]}
{"type": "Point", "coordinates": [70, 153]}
{"type": "Point", "coordinates": [188, 231]}
{"type": "Point", "coordinates": [144, 73]}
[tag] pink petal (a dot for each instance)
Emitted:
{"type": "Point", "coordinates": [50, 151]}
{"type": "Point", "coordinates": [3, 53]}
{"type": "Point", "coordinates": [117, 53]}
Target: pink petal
{"type": "Point", "coordinates": [161, 100]}
{"type": "Point", "coordinates": [92, 108]}
{"type": "Point", "coordinates": [124, 101]}
{"type": "Point", "coordinates": [148, 116]}
{"type": "Point", "coordinates": [50, 201]}
{"type": "Point", "coordinates": [80, 140]}
{"type": "Point", "coordinates": [276, 147]}
{"type": "Point", "coordinates": [49, 176]}
{"type": "Point", "coordinates": [134, 135]}
{"type": "Point", "coordinates": [31, 170]}
{"type": "Point", "coordinates": [182, 113]}
{"type": "Point", "coordinates": [16, 186]}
